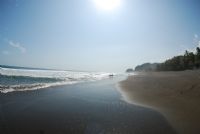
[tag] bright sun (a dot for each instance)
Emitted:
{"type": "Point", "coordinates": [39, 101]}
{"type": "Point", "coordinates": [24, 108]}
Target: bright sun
{"type": "Point", "coordinates": [107, 4]}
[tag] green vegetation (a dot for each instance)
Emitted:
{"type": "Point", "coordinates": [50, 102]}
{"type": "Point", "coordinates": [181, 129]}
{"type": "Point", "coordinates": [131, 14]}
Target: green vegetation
{"type": "Point", "coordinates": [188, 61]}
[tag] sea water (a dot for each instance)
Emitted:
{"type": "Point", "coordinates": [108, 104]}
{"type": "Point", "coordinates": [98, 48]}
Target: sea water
{"type": "Point", "coordinates": [22, 79]}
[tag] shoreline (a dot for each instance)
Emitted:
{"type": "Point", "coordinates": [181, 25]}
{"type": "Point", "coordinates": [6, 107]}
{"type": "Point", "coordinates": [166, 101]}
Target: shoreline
{"type": "Point", "coordinates": [93, 107]}
{"type": "Point", "coordinates": [176, 95]}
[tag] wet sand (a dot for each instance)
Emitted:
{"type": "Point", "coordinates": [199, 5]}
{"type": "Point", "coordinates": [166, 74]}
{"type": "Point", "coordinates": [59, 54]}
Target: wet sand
{"type": "Point", "coordinates": [86, 108]}
{"type": "Point", "coordinates": [175, 94]}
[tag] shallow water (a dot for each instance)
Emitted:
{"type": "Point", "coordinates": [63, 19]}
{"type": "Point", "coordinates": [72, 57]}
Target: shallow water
{"type": "Point", "coordinates": [85, 108]}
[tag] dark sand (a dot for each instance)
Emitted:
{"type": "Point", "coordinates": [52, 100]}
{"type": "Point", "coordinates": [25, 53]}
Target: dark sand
{"type": "Point", "coordinates": [87, 108]}
{"type": "Point", "coordinates": [175, 94]}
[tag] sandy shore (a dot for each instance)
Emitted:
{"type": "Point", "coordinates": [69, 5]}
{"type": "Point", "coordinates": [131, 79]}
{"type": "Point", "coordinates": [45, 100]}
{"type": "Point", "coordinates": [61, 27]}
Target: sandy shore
{"type": "Point", "coordinates": [175, 94]}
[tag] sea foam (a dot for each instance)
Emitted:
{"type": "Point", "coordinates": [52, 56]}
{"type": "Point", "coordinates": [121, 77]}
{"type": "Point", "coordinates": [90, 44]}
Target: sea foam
{"type": "Point", "coordinates": [12, 79]}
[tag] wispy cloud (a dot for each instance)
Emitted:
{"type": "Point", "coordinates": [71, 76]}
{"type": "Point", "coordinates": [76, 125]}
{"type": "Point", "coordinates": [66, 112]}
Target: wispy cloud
{"type": "Point", "coordinates": [196, 36]}
{"type": "Point", "coordinates": [5, 52]}
{"type": "Point", "coordinates": [18, 46]}
{"type": "Point", "coordinates": [196, 39]}
{"type": "Point", "coordinates": [196, 43]}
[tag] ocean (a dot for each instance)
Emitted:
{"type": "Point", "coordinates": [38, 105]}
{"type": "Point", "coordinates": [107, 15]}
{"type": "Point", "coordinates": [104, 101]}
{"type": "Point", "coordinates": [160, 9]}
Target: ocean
{"type": "Point", "coordinates": [22, 79]}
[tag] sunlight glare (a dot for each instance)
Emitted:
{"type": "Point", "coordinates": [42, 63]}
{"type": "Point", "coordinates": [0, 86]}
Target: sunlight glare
{"type": "Point", "coordinates": [107, 4]}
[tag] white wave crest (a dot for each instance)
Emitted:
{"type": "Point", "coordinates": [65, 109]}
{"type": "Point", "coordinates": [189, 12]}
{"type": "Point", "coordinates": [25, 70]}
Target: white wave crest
{"type": "Point", "coordinates": [29, 87]}
{"type": "Point", "coordinates": [66, 77]}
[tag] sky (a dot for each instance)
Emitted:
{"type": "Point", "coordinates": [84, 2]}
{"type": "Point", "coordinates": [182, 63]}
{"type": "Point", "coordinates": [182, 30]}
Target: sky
{"type": "Point", "coordinates": [80, 35]}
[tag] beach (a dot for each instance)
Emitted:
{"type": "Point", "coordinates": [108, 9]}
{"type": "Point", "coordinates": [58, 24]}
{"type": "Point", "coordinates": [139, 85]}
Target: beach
{"type": "Point", "coordinates": [84, 108]}
{"type": "Point", "coordinates": [174, 94]}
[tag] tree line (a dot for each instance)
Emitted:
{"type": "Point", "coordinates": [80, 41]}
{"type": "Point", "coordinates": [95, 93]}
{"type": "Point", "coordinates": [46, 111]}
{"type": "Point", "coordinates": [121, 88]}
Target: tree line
{"type": "Point", "coordinates": [190, 60]}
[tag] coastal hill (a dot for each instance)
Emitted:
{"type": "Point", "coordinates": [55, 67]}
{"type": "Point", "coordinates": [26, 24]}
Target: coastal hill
{"type": "Point", "coordinates": [146, 67]}
{"type": "Point", "coordinates": [129, 70]}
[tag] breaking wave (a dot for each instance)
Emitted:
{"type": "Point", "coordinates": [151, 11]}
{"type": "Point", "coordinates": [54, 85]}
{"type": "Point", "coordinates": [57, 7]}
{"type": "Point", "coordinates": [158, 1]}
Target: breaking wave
{"type": "Point", "coordinates": [12, 79]}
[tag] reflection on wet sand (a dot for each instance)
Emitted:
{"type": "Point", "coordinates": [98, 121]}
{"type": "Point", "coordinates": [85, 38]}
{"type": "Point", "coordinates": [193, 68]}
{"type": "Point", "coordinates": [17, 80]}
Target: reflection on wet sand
{"type": "Point", "coordinates": [87, 108]}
